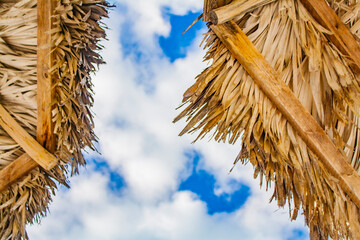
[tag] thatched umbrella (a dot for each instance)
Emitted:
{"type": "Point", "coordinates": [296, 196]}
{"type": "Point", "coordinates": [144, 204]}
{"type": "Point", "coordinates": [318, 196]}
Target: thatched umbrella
{"type": "Point", "coordinates": [48, 49]}
{"type": "Point", "coordinates": [284, 80]}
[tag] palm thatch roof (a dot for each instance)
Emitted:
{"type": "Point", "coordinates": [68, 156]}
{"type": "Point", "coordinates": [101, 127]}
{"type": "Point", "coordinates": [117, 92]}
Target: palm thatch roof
{"type": "Point", "coordinates": [48, 50]}
{"type": "Point", "coordinates": [284, 81]}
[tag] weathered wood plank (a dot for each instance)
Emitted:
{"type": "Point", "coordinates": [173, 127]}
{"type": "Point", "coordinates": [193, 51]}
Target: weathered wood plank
{"type": "Point", "coordinates": [28, 143]}
{"type": "Point", "coordinates": [225, 13]}
{"type": "Point", "coordinates": [45, 92]}
{"type": "Point", "coordinates": [15, 170]}
{"type": "Point", "coordinates": [291, 108]}
{"type": "Point", "coordinates": [341, 35]}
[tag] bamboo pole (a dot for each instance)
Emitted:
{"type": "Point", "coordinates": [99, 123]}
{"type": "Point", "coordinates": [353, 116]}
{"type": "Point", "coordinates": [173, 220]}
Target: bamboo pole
{"type": "Point", "coordinates": [235, 8]}
{"type": "Point", "coordinates": [23, 138]}
{"type": "Point", "coordinates": [283, 98]}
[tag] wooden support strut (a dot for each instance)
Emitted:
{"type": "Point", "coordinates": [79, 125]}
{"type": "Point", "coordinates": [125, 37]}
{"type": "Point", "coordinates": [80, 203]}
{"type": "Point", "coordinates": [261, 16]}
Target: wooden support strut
{"type": "Point", "coordinates": [341, 36]}
{"type": "Point", "coordinates": [284, 99]}
{"type": "Point", "coordinates": [45, 90]}
{"type": "Point", "coordinates": [235, 8]}
{"type": "Point", "coordinates": [212, 4]}
{"type": "Point", "coordinates": [45, 95]}
{"type": "Point", "coordinates": [15, 170]}
{"type": "Point", "coordinates": [27, 142]}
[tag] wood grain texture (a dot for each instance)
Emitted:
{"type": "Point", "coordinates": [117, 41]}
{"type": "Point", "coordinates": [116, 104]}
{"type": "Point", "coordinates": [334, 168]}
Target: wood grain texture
{"type": "Point", "coordinates": [28, 143]}
{"type": "Point", "coordinates": [283, 98]}
{"type": "Point", "coordinates": [35, 154]}
{"type": "Point", "coordinates": [210, 5]}
{"type": "Point", "coordinates": [15, 170]}
{"type": "Point", "coordinates": [341, 35]}
{"type": "Point", "coordinates": [227, 12]}
{"type": "Point", "coordinates": [45, 92]}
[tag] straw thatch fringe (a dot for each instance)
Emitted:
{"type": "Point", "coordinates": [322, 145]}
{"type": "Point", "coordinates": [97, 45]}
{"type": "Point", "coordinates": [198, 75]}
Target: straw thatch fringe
{"type": "Point", "coordinates": [225, 101]}
{"type": "Point", "coordinates": [77, 33]}
{"type": "Point", "coordinates": [28, 198]}
{"type": "Point", "coordinates": [75, 37]}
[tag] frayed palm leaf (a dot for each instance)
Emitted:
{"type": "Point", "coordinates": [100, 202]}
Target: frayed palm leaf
{"type": "Point", "coordinates": [77, 30]}
{"type": "Point", "coordinates": [226, 102]}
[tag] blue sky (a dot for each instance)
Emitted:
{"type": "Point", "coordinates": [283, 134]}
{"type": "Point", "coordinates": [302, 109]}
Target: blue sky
{"type": "Point", "coordinates": [148, 183]}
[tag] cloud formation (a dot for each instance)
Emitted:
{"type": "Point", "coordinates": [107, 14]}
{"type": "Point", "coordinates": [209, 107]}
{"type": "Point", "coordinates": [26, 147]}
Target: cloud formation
{"type": "Point", "coordinates": [135, 104]}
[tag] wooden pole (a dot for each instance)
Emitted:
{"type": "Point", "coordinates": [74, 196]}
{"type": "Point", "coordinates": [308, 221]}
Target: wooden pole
{"type": "Point", "coordinates": [283, 98]}
{"type": "Point", "coordinates": [45, 90]}
{"type": "Point", "coordinates": [23, 138]}
{"type": "Point", "coordinates": [341, 36]}
{"type": "Point", "coordinates": [15, 170]}
{"type": "Point", "coordinates": [45, 95]}
{"type": "Point", "coordinates": [235, 8]}
{"type": "Point", "coordinates": [210, 5]}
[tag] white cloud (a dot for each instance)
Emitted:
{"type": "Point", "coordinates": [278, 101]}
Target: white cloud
{"type": "Point", "coordinates": [139, 141]}
{"type": "Point", "coordinates": [147, 18]}
{"type": "Point", "coordinates": [90, 211]}
{"type": "Point", "coordinates": [135, 128]}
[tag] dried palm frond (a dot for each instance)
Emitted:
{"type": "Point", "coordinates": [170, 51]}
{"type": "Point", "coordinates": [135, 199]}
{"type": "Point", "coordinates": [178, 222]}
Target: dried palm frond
{"type": "Point", "coordinates": [226, 102]}
{"type": "Point", "coordinates": [77, 30]}
{"type": "Point", "coordinates": [76, 55]}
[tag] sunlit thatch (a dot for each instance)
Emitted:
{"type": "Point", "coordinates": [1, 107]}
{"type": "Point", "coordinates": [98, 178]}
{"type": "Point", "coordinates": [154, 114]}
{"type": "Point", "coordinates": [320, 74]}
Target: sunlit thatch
{"type": "Point", "coordinates": [227, 103]}
{"type": "Point", "coordinates": [77, 30]}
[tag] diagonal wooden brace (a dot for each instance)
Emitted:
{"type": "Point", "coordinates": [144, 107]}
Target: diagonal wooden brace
{"type": "Point", "coordinates": [37, 152]}
{"type": "Point", "coordinates": [15, 170]}
{"type": "Point", "coordinates": [340, 35]}
{"type": "Point", "coordinates": [284, 99]}
{"type": "Point", "coordinates": [45, 95]}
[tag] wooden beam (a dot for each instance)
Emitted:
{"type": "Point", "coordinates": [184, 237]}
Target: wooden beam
{"type": "Point", "coordinates": [228, 12]}
{"type": "Point", "coordinates": [23, 138]}
{"type": "Point", "coordinates": [341, 36]}
{"type": "Point", "coordinates": [45, 94]}
{"type": "Point", "coordinates": [45, 90]}
{"type": "Point", "coordinates": [210, 5]}
{"type": "Point", "coordinates": [291, 108]}
{"type": "Point", "coordinates": [15, 170]}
